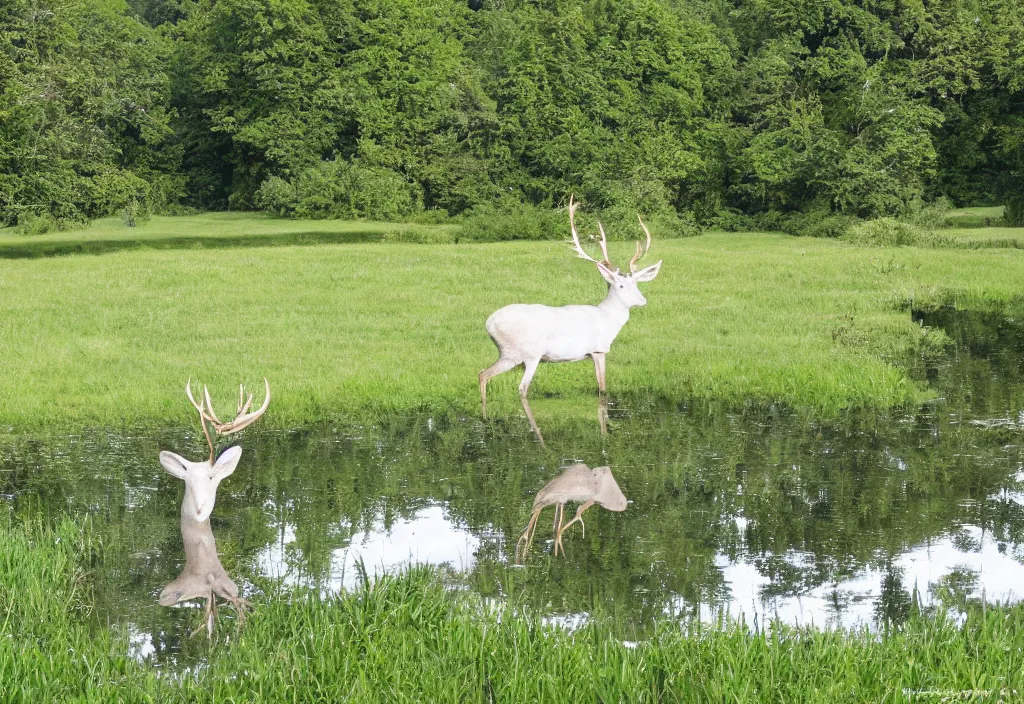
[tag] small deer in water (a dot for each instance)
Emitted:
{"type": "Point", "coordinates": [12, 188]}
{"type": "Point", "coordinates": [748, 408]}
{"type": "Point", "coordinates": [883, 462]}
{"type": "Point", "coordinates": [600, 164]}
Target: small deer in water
{"type": "Point", "coordinates": [577, 483]}
{"type": "Point", "coordinates": [203, 576]}
{"type": "Point", "coordinates": [529, 334]}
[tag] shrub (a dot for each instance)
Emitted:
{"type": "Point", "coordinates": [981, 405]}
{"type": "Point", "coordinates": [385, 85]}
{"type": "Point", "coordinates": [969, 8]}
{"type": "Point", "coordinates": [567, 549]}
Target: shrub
{"type": "Point", "coordinates": [931, 216]}
{"type": "Point", "coordinates": [115, 190]}
{"type": "Point", "coordinates": [135, 213]}
{"type": "Point", "coordinates": [39, 223]}
{"type": "Point", "coordinates": [1013, 212]}
{"type": "Point", "coordinates": [339, 189]}
{"type": "Point", "coordinates": [818, 223]}
{"type": "Point", "coordinates": [486, 223]}
{"type": "Point", "coordinates": [889, 232]}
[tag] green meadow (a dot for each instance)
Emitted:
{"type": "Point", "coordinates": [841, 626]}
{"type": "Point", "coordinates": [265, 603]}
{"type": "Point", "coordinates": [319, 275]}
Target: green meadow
{"type": "Point", "coordinates": [349, 333]}
{"type": "Point", "coordinates": [342, 331]}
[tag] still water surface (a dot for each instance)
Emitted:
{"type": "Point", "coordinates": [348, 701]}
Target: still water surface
{"type": "Point", "coordinates": [756, 511]}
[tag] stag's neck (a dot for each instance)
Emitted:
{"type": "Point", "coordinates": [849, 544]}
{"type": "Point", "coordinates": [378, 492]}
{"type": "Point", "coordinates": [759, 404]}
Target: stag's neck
{"type": "Point", "coordinates": [615, 312]}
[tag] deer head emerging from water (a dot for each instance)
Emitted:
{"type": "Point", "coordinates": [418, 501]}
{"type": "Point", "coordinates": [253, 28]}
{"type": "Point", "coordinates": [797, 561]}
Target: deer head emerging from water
{"type": "Point", "coordinates": [202, 478]}
{"type": "Point", "coordinates": [203, 576]}
{"type": "Point", "coordinates": [577, 483]}
{"type": "Point", "coordinates": [530, 334]}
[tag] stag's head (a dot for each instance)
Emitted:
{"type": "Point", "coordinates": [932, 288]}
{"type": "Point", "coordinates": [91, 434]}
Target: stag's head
{"type": "Point", "coordinates": [609, 495]}
{"type": "Point", "coordinates": [202, 478]}
{"type": "Point", "coordinates": [622, 285]}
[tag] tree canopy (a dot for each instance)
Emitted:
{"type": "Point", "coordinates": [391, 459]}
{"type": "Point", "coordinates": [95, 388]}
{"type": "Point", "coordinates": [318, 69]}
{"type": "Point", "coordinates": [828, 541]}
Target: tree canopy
{"type": "Point", "coordinates": [373, 108]}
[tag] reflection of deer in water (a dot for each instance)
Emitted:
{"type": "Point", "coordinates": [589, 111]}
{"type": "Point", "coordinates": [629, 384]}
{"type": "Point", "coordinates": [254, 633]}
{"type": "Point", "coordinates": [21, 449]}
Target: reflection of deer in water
{"type": "Point", "coordinates": [204, 577]}
{"type": "Point", "coordinates": [577, 483]}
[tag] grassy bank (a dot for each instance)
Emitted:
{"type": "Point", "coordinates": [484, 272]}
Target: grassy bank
{"type": "Point", "coordinates": [346, 330]}
{"type": "Point", "coordinates": [212, 230]}
{"type": "Point", "coordinates": [412, 639]}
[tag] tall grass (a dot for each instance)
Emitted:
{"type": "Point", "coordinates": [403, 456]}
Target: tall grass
{"type": "Point", "coordinates": [413, 638]}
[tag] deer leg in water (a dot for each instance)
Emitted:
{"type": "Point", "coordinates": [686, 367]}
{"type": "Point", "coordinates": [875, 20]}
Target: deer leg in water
{"type": "Point", "coordinates": [500, 367]}
{"type": "Point", "coordinates": [209, 616]}
{"type": "Point", "coordinates": [578, 517]}
{"type": "Point", "coordinates": [598, 358]}
{"type": "Point", "coordinates": [241, 607]}
{"type": "Point", "coordinates": [559, 517]}
{"type": "Point", "coordinates": [527, 537]}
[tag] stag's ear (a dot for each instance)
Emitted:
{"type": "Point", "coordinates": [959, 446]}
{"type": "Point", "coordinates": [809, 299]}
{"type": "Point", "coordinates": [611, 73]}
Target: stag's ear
{"type": "Point", "coordinates": [173, 464]}
{"type": "Point", "coordinates": [227, 462]}
{"type": "Point", "coordinates": [647, 273]}
{"type": "Point", "coordinates": [606, 273]}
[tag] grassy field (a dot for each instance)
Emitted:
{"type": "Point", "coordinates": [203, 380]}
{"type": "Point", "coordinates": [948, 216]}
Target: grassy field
{"type": "Point", "coordinates": [343, 331]}
{"type": "Point", "coordinates": [211, 230]}
{"type": "Point", "coordinates": [411, 638]}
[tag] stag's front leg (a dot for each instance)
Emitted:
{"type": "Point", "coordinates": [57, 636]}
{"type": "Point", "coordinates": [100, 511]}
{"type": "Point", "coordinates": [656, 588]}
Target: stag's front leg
{"type": "Point", "coordinates": [523, 544]}
{"type": "Point", "coordinates": [598, 358]}
{"type": "Point", "coordinates": [529, 369]}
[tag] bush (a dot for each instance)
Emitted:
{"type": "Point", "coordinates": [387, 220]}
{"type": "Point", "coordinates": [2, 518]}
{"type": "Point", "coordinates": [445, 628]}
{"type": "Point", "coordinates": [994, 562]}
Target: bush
{"type": "Point", "coordinates": [135, 213]}
{"type": "Point", "coordinates": [517, 221]}
{"type": "Point", "coordinates": [31, 223]}
{"type": "Point", "coordinates": [486, 223]}
{"type": "Point", "coordinates": [818, 223]}
{"type": "Point", "coordinates": [115, 190]}
{"type": "Point", "coordinates": [930, 216]}
{"type": "Point", "coordinates": [889, 232]}
{"type": "Point", "coordinates": [1013, 212]}
{"type": "Point", "coordinates": [339, 189]}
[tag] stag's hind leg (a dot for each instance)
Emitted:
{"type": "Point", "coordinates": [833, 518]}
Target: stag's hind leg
{"type": "Point", "coordinates": [500, 367]}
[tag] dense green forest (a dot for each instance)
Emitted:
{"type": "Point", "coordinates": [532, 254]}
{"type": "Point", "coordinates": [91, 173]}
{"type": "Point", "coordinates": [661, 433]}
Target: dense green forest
{"type": "Point", "coordinates": [693, 111]}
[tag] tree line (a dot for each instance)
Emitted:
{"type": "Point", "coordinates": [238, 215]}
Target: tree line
{"type": "Point", "coordinates": [693, 111]}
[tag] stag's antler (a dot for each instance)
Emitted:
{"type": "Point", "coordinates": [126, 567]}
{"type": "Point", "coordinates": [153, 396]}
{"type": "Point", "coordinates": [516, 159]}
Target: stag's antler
{"type": "Point", "coordinates": [640, 253]}
{"type": "Point", "coordinates": [576, 239]}
{"type": "Point", "coordinates": [243, 418]}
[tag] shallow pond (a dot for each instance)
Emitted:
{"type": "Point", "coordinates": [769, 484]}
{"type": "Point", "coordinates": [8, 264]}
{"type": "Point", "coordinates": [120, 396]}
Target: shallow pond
{"type": "Point", "coordinates": [756, 511]}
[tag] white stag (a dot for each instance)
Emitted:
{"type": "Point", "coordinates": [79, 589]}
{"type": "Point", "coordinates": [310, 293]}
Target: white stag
{"type": "Point", "coordinates": [529, 334]}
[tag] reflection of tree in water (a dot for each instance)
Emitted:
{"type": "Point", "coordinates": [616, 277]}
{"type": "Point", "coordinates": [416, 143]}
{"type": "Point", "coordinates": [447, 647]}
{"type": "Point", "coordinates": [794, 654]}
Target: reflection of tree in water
{"type": "Point", "coordinates": [895, 602]}
{"type": "Point", "coordinates": [808, 504]}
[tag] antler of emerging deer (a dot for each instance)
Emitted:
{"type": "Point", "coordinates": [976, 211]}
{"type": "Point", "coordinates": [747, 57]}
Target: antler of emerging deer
{"type": "Point", "coordinates": [243, 418]}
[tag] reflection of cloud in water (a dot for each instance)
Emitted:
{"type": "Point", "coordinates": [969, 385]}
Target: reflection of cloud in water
{"type": "Point", "coordinates": [140, 644]}
{"type": "Point", "coordinates": [429, 537]}
{"type": "Point", "coordinates": [853, 601]}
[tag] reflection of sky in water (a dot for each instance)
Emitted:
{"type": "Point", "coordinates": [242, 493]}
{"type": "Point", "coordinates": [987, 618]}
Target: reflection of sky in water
{"type": "Point", "coordinates": [429, 537]}
{"type": "Point", "coordinates": [852, 602]}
